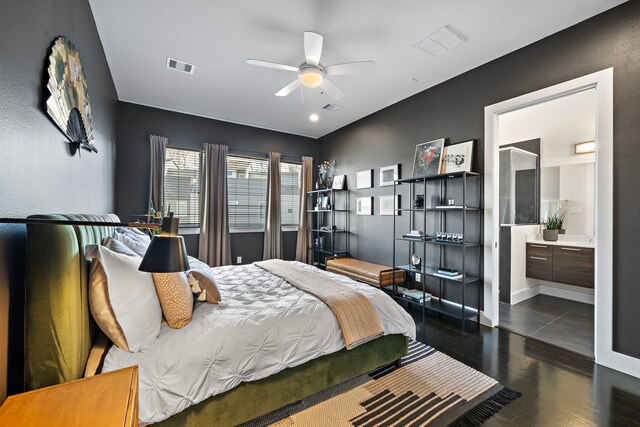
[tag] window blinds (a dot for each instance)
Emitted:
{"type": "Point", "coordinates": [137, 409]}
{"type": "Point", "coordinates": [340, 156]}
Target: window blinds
{"type": "Point", "coordinates": [183, 185]}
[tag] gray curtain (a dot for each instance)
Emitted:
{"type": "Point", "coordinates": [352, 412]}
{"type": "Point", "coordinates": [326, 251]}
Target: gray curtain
{"type": "Point", "coordinates": [156, 177]}
{"type": "Point", "coordinates": [215, 242]}
{"type": "Point", "coordinates": [306, 178]}
{"type": "Point", "coordinates": [273, 226]}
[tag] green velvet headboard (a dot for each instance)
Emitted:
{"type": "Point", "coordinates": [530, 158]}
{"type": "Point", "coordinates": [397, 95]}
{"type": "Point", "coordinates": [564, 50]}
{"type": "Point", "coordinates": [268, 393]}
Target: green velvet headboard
{"type": "Point", "coordinates": [59, 329]}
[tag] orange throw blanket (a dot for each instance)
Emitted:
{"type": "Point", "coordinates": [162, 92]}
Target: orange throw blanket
{"type": "Point", "coordinates": [356, 315]}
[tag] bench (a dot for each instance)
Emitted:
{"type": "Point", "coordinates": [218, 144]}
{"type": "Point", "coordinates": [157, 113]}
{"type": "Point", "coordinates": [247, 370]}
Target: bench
{"type": "Point", "coordinates": [367, 272]}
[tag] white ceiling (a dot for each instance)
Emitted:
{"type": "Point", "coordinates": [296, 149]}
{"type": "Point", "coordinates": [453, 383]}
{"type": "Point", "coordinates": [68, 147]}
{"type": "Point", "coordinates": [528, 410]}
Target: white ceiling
{"type": "Point", "coordinates": [218, 37]}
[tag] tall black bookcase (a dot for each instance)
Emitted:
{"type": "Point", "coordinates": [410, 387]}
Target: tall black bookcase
{"type": "Point", "coordinates": [328, 224]}
{"type": "Point", "coordinates": [459, 249]}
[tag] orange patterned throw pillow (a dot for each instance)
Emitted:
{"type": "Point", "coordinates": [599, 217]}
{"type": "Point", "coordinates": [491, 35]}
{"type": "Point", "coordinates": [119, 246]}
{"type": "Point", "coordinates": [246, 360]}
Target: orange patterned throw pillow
{"type": "Point", "coordinates": [175, 298]}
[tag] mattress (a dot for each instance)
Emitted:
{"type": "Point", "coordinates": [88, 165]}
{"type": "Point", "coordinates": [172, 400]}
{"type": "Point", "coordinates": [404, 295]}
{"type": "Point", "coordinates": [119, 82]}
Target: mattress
{"type": "Point", "coordinates": [263, 326]}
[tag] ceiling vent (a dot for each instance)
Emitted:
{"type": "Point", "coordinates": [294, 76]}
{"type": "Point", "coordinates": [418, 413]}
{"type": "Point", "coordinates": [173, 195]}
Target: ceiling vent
{"type": "Point", "coordinates": [332, 107]}
{"type": "Point", "coordinates": [440, 42]}
{"type": "Point", "coordinates": [174, 64]}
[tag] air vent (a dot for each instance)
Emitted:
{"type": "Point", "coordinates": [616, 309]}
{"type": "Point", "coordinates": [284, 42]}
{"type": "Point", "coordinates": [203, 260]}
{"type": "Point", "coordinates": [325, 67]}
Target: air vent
{"type": "Point", "coordinates": [332, 107]}
{"type": "Point", "coordinates": [174, 64]}
{"type": "Point", "coordinates": [440, 42]}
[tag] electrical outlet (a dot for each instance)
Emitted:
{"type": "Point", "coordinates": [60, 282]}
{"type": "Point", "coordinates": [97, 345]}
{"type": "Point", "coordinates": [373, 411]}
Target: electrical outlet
{"type": "Point", "coordinates": [239, 260]}
{"type": "Point", "coordinates": [418, 277]}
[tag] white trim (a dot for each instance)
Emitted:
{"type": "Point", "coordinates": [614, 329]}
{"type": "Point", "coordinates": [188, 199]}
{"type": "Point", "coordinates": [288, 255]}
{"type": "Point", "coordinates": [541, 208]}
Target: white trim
{"type": "Point", "coordinates": [285, 229]}
{"type": "Point", "coordinates": [602, 81]}
{"type": "Point", "coordinates": [524, 294]}
{"type": "Point", "coordinates": [566, 292]}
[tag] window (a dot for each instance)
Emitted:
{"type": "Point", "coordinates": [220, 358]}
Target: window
{"type": "Point", "coordinates": [247, 186]}
{"type": "Point", "coordinates": [290, 193]}
{"type": "Point", "coordinates": [183, 185]}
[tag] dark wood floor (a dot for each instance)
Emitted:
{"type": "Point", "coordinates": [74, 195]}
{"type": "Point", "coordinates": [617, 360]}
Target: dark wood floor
{"type": "Point", "coordinates": [559, 387]}
{"type": "Point", "coordinates": [562, 322]}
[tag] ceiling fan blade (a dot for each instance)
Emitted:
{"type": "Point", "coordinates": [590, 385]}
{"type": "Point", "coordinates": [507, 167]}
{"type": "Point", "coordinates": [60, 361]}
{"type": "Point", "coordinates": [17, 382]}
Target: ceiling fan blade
{"type": "Point", "coordinates": [312, 47]}
{"type": "Point", "coordinates": [288, 88]}
{"type": "Point", "coordinates": [271, 65]}
{"type": "Point", "coordinates": [331, 89]}
{"type": "Point", "coordinates": [362, 67]}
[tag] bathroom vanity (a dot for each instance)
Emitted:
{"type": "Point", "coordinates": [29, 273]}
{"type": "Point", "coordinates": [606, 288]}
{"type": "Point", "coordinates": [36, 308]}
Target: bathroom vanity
{"type": "Point", "coordinates": [562, 262]}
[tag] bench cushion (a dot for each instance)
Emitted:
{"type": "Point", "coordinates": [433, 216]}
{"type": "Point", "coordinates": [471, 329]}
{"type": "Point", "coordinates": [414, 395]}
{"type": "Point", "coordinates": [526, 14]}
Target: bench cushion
{"type": "Point", "coordinates": [373, 274]}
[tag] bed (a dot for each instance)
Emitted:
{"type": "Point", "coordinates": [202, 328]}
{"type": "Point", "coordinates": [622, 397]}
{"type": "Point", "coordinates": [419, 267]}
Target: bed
{"type": "Point", "coordinates": [60, 332]}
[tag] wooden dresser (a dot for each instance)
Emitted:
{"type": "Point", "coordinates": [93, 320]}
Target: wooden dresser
{"type": "Point", "coordinates": [573, 265]}
{"type": "Point", "coordinates": [103, 400]}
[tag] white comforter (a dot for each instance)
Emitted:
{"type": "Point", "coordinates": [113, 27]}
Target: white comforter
{"type": "Point", "coordinates": [263, 326]}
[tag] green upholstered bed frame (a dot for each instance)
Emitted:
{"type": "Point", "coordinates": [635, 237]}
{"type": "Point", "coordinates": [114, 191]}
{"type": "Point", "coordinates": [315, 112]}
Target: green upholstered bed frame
{"type": "Point", "coordinates": [59, 333]}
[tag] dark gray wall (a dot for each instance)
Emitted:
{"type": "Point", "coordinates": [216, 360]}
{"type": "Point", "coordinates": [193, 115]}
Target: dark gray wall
{"type": "Point", "coordinates": [136, 123]}
{"type": "Point", "coordinates": [455, 109]}
{"type": "Point", "coordinates": [38, 174]}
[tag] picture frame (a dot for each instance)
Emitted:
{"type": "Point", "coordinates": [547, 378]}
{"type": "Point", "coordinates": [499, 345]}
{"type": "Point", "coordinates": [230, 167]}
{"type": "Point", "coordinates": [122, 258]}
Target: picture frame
{"type": "Point", "coordinates": [364, 206]}
{"type": "Point", "coordinates": [389, 174]}
{"type": "Point", "coordinates": [458, 157]}
{"type": "Point", "coordinates": [364, 179]}
{"type": "Point", "coordinates": [388, 205]}
{"type": "Point", "coordinates": [324, 202]}
{"type": "Point", "coordinates": [427, 158]}
{"type": "Point", "coordinates": [338, 182]}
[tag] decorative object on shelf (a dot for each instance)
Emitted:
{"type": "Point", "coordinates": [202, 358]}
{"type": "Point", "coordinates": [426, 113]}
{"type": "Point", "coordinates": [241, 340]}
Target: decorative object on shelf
{"type": "Point", "coordinates": [416, 262]}
{"type": "Point", "coordinates": [552, 224]}
{"type": "Point", "coordinates": [69, 105]}
{"type": "Point", "coordinates": [442, 236]}
{"type": "Point", "coordinates": [318, 243]}
{"type": "Point", "coordinates": [418, 202]}
{"type": "Point", "coordinates": [324, 202]}
{"type": "Point", "coordinates": [338, 182]}
{"type": "Point", "coordinates": [389, 205]}
{"type": "Point", "coordinates": [416, 295]}
{"type": "Point", "coordinates": [364, 179]}
{"type": "Point", "coordinates": [414, 235]}
{"type": "Point", "coordinates": [457, 157]}
{"type": "Point", "coordinates": [388, 174]}
{"type": "Point", "coordinates": [323, 170]}
{"type": "Point", "coordinates": [448, 273]}
{"type": "Point", "coordinates": [427, 158]}
{"type": "Point", "coordinates": [364, 206]}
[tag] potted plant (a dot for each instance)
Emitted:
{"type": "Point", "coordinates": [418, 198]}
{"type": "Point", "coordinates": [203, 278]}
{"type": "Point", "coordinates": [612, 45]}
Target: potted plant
{"type": "Point", "coordinates": [561, 230]}
{"type": "Point", "coordinates": [552, 224]}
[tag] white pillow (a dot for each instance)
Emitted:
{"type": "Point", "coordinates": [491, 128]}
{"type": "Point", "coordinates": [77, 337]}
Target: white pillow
{"type": "Point", "coordinates": [134, 233]}
{"type": "Point", "coordinates": [132, 296]}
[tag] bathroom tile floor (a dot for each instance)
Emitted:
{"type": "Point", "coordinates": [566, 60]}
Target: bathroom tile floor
{"type": "Point", "coordinates": [557, 321]}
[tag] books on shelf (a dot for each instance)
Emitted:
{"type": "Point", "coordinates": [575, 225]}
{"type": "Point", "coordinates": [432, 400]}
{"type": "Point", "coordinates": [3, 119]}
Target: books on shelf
{"type": "Point", "coordinates": [448, 276]}
{"type": "Point", "coordinates": [416, 295]}
{"type": "Point", "coordinates": [412, 236]}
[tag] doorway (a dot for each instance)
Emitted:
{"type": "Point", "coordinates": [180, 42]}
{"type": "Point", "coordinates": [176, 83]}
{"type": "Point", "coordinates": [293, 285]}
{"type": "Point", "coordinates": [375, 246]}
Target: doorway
{"type": "Point", "coordinates": [602, 82]}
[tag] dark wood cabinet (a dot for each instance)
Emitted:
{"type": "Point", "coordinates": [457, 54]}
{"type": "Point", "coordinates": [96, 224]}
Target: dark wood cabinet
{"type": "Point", "coordinates": [563, 264]}
{"type": "Point", "coordinates": [573, 265]}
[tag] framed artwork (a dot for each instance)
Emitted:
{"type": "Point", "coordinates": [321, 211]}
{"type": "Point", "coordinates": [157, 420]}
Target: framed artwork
{"type": "Point", "coordinates": [388, 174]}
{"type": "Point", "coordinates": [457, 157]}
{"type": "Point", "coordinates": [389, 204]}
{"type": "Point", "coordinates": [427, 158]}
{"type": "Point", "coordinates": [364, 179]}
{"type": "Point", "coordinates": [338, 182]}
{"type": "Point", "coordinates": [364, 206]}
{"type": "Point", "coordinates": [324, 202]}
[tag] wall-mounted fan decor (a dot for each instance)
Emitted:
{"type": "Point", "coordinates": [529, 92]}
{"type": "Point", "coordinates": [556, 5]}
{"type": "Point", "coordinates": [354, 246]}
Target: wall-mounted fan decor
{"type": "Point", "coordinates": [69, 104]}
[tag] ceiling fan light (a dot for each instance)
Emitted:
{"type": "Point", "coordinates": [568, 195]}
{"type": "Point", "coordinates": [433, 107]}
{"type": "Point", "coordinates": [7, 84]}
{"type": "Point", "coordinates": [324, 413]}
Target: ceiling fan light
{"type": "Point", "coordinates": [311, 77]}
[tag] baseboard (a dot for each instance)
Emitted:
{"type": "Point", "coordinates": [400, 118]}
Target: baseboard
{"type": "Point", "coordinates": [568, 292]}
{"type": "Point", "coordinates": [524, 294]}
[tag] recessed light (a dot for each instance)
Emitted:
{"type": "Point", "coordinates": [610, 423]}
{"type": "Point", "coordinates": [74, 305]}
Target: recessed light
{"type": "Point", "coordinates": [314, 117]}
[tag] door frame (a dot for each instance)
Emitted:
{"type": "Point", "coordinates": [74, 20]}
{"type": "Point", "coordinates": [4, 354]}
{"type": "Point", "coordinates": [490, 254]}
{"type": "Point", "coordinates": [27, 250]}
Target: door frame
{"type": "Point", "coordinates": [602, 82]}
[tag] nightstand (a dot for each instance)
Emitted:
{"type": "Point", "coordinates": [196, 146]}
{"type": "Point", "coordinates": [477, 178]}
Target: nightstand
{"type": "Point", "coordinates": [104, 400]}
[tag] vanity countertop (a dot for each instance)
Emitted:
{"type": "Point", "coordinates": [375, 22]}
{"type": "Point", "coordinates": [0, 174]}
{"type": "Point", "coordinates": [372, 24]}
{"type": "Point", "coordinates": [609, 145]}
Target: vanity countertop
{"type": "Point", "coordinates": [577, 243]}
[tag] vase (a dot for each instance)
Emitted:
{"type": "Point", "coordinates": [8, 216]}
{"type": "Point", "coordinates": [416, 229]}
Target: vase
{"type": "Point", "coordinates": [321, 183]}
{"type": "Point", "coordinates": [550, 235]}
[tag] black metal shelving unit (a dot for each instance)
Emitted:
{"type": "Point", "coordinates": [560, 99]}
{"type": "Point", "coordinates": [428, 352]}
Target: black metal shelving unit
{"type": "Point", "coordinates": [419, 220]}
{"type": "Point", "coordinates": [331, 223]}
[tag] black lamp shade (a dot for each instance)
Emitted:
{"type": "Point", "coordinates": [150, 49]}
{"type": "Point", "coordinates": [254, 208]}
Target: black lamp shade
{"type": "Point", "coordinates": [166, 254]}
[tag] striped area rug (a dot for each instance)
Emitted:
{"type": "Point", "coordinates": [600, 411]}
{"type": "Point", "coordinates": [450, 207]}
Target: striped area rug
{"type": "Point", "coordinates": [427, 389]}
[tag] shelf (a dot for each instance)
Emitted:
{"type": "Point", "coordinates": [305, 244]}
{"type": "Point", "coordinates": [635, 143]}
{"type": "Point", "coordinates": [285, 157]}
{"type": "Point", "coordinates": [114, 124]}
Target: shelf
{"type": "Point", "coordinates": [413, 240]}
{"type": "Point", "coordinates": [317, 230]}
{"type": "Point", "coordinates": [428, 271]}
{"type": "Point", "coordinates": [325, 190]}
{"type": "Point", "coordinates": [324, 251]}
{"type": "Point", "coordinates": [465, 244]}
{"type": "Point", "coordinates": [437, 177]}
{"type": "Point", "coordinates": [442, 306]}
{"type": "Point", "coordinates": [327, 210]}
{"type": "Point", "coordinates": [451, 208]}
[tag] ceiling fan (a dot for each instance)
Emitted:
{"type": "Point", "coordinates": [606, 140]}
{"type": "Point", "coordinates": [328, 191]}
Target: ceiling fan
{"type": "Point", "coordinates": [311, 73]}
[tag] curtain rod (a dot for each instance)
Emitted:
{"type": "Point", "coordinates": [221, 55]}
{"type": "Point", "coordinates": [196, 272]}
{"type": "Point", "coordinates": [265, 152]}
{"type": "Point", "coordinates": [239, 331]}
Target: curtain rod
{"type": "Point", "coordinates": [238, 151]}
